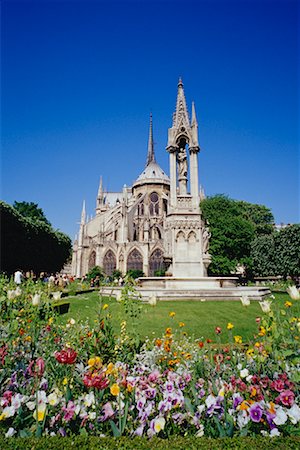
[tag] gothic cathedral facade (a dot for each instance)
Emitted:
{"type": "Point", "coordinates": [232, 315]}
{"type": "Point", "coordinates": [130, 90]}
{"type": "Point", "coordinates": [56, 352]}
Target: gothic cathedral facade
{"type": "Point", "coordinates": [156, 224]}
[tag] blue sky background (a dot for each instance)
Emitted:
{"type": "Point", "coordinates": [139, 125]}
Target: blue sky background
{"type": "Point", "coordinates": [79, 79]}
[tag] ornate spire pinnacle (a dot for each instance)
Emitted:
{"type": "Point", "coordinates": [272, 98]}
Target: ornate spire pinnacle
{"type": "Point", "coordinates": [83, 214]}
{"type": "Point", "coordinates": [150, 154]}
{"type": "Point", "coordinates": [100, 190]}
{"type": "Point", "coordinates": [194, 119]}
{"type": "Point", "coordinates": [181, 116]}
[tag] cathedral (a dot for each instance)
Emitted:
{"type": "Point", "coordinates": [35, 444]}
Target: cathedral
{"type": "Point", "coordinates": [155, 225]}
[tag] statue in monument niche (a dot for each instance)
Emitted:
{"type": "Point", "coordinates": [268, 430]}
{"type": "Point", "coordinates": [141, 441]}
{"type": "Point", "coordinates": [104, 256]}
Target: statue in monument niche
{"type": "Point", "coordinates": [205, 239]}
{"type": "Point", "coordinates": [182, 170]}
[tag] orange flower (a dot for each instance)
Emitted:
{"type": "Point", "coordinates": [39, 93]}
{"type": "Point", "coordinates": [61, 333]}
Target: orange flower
{"type": "Point", "coordinates": [172, 314]}
{"type": "Point", "coordinates": [201, 344]}
{"type": "Point", "coordinates": [158, 342]}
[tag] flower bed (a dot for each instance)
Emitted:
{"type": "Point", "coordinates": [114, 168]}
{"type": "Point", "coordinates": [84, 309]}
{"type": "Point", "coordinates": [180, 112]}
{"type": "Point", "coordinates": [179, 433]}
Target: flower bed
{"type": "Point", "coordinates": [67, 380]}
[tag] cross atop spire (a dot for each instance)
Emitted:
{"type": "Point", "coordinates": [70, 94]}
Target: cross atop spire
{"type": "Point", "coordinates": [150, 154]}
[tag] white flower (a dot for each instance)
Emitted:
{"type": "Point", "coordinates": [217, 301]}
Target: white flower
{"type": "Point", "coordinates": [293, 292]}
{"type": "Point", "coordinates": [210, 400]}
{"type": "Point", "coordinates": [249, 378]}
{"type": "Point", "coordinates": [152, 300]}
{"type": "Point", "coordinates": [159, 424]}
{"type": "Point", "coordinates": [11, 294]}
{"type": "Point", "coordinates": [18, 291]}
{"type": "Point", "coordinates": [274, 432]}
{"type": "Point", "coordinates": [72, 321]}
{"type": "Point", "coordinates": [243, 419]}
{"type": "Point", "coordinates": [31, 405]}
{"type": "Point", "coordinates": [266, 306]}
{"type": "Point", "coordinates": [10, 432]}
{"type": "Point", "coordinates": [202, 300]}
{"type": "Point", "coordinates": [294, 413]}
{"type": "Point", "coordinates": [8, 411]}
{"type": "Point", "coordinates": [200, 432]}
{"type": "Point", "coordinates": [244, 373]}
{"type": "Point", "coordinates": [245, 300]}
{"type": "Point", "coordinates": [92, 415]}
{"type": "Point", "coordinates": [281, 417]}
{"type": "Point", "coordinates": [36, 299]}
{"type": "Point", "coordinates": [89, 399]}
{"type": "Point", "coordinates": [53, 399]}
{"type": "Point", "coordinates": [56, 295]}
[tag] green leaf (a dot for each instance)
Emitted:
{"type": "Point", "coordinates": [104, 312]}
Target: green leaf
{"type": "Point", "coordinates": [115, 429]}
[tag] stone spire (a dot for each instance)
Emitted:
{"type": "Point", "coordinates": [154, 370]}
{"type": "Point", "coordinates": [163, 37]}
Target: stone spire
{"type": "Point", "coordinates": [100, 190]}
{"type": "Point", "coordinates": [194, 119]}
{"type": "Point", "coordinates": [150, 154]}
{"type": "Point", "coordinates": [83, 214]}
{"type": "Point", "coordinates": [181, 116]}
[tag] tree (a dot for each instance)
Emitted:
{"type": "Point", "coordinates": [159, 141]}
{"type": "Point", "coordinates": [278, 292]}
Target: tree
{"type": "Point", "coordinates": [30, 245]}
{"type": "Point", "coordinates": [287, 251]}
{"type": "Point", "coordinates": [263, 256]}
{"type": "Point", "coordinates": [31, 211]}
{"type": "Point", "coordinates": [233, 225]}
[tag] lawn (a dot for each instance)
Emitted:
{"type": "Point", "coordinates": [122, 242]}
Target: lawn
{"type": "Point", "coordinates": [200, 318]}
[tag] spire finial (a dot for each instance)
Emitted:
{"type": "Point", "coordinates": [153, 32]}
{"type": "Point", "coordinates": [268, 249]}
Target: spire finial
{"type": "Point", "coordinates": [83, 214]}
{"type": "Point", "coordinates": [150, 154]}
{"type": "Point", "coordinates": [100, 190]}
{"type": "Point", "coordinates": [181, 113]}
{"type": "Point", "coordinates": [194, 119]}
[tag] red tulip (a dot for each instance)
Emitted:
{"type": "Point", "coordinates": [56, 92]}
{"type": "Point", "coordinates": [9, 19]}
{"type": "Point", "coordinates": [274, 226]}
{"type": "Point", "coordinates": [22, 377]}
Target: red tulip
{"type": "Point", "coordinates": [67, 356]}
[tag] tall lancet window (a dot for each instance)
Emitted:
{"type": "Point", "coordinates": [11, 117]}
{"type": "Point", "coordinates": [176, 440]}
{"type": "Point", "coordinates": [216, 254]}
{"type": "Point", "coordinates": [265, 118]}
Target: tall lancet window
{"type": "Point", "coordinates": [154, 204]}
{"type": "Point", "coordinates": [92, 260]}
{"type": "Point", "coordinates": [109, 262]}
{"type": "Point", "coordinates": [135, 260]}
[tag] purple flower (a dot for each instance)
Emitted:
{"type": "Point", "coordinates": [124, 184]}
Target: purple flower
{"type": "Point", "coordinates": [69, 411]}
{"type": "Point", "coordinates": [108, 412]}
{"type": "Point", "coordinates": [255, 412]}
{"type": "Point", "coordinates": [62, 432]}
{"type": "Point", "coordinates": [139, 431]}
{"type": "Point", "coordinates": [150, 392]}
{"type": "Point", "coordinates": [237, 401]}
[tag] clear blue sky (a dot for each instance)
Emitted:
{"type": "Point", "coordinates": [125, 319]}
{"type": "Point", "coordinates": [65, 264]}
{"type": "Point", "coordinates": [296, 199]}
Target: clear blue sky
{"type": "Point", "coordinates": [79, 79]}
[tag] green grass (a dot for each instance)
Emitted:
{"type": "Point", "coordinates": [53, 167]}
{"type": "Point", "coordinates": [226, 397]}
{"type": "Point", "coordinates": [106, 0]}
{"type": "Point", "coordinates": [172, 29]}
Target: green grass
{"type": "Point", "coordinates": [200, 318]}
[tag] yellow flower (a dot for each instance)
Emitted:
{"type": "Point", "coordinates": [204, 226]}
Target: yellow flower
{"type": "Point", "coordinates": [28, 339]}
{"type": "Point", "coordinates": [65, 381]}
{"type": "Point", "coordinates": [238, 339]}
{"type": "Point", "coordinates": [105, 306]}
{"type": "Point", "coordinates": [96, 361]}
{"type": "Point", "coordinates": [288, 304]}
{"type": "Point", "coordinates": [40, 412]}
{"type": "Point", "coordinates": [114, 389]}
{"type": "Point", "coordinates": [181, 324]}
{"type": "Point", "coordinates": [250, 352]}
{"type": "Point", "coordinates": [262, 331]}
{"type": "Point", "coordinates": [172, 314]}
{"type": "Point", "coordinates": [109, 369]}
{"type": "Point", "coordinates": [230, 326]}
{"type": "Point", "coordinates": [168, 331]}
{"type": "Point", "coordinates": [50, 321]}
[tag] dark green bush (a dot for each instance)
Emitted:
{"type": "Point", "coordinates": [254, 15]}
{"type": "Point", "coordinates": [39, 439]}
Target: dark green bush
{"type": "Point", "coordinates": [135, 273]}
{"type": "Point", "coordinates": [175, 443]}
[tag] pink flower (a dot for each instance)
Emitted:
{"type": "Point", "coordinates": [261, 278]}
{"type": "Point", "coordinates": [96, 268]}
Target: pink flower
{"type": "Point", "coordinates": [218, 330]}
{"type": "Point", "coordinates": [286, 398]}
{"type": "Point", "coordinates": [277, 385]}
{"type": "Point", "coordinates": [108, 412]}
{"type": "Point", "coordinates": [69, 411]}
{"type": "Point", "coordinates": [153, 377]}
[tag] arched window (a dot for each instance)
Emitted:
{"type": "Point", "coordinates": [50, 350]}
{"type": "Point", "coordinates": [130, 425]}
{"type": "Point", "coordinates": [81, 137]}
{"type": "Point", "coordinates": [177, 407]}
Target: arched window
{"type": "Point", "coordinates": [192, 237]}
{"type": "Point", "coordinates": [154, 204]}
{"type": "Point", "coordinates": [180, 236]}
{"type": "Point", "coordinates": [92, 259]}
{"type": "Point", "coordinates": [109, 262]}
{"type": "Point", "coordinates": [135, 260]}
{"type": "Point", "coordinates": [156, 262]}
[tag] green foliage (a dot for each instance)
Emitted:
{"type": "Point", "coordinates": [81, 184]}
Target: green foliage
{"type": "Point", "coordinates": [160, 273]}
{"type": "Point", "coordinates": [94, 272]}
{"type": "Point", "coordinates": [287, 245]}
{"type": "Point", "coordinates": [278, 253]}
{"type": "Point", "coordinates": [263, 256]}
{"type": "Point", "coordinates": [129, 443]}
{"type": "Point", "coordinates": [233, 226]}
{"type": "Point", "coordinates": [31, 211]}
{"type": "Point", "coordinates": [116, 274]}
{"type": "Point", "coordinates": [135, 273]}
{"type": "Point", "coordinates": [30, 245]}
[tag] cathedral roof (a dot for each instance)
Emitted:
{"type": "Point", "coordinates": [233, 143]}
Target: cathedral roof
{"type": "Point", "coordinates": [153, 173]}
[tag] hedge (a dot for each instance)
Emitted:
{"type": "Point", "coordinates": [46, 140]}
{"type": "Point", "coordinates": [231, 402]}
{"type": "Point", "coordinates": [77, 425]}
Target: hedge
{"type": "Point", "coordinates": [174, 443]}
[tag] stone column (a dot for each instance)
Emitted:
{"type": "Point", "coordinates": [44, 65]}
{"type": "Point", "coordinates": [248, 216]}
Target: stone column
{"type": "Point", "coordinates": [173, 178]}
{"type": "Point", "coordinates": [194, 182]}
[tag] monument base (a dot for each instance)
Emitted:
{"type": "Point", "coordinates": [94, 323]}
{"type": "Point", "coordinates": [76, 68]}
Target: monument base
{"type": "Point", "coordinates": [205, 288]}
